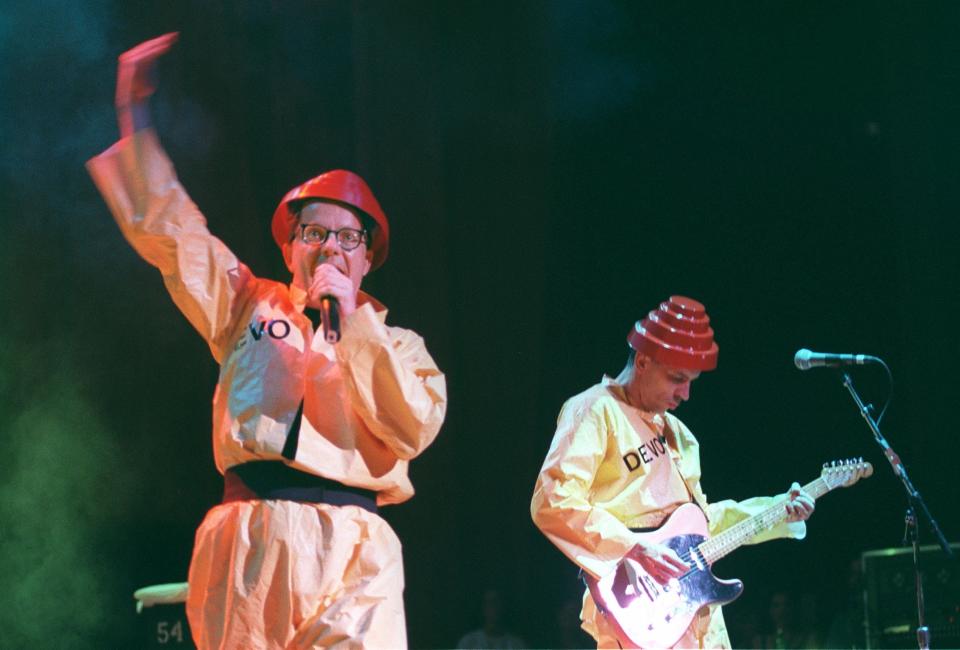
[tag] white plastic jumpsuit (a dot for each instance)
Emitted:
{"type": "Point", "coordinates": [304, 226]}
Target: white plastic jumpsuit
{"type": "Point", "coordinates": [276, 573]}
{"type": "Point", "coordinates": [612, 467]}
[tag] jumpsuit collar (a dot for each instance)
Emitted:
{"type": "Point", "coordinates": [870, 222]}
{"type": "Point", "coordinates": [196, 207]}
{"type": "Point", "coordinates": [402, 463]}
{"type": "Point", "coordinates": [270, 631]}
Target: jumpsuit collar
{"type": "Point", "coordinates": [656, 420]}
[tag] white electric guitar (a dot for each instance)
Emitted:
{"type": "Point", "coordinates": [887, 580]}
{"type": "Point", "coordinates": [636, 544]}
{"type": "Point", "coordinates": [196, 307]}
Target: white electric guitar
{"type": "Point", "coordinates": [647, 614]}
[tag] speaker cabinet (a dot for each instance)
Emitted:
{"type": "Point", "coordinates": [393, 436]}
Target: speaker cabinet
{"type": "Point", "coordinates": [890, 597]}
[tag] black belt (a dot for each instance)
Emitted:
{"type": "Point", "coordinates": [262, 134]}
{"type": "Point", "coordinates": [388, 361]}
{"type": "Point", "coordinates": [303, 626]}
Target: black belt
{"type": "Point", "coordinates": [274, 479]}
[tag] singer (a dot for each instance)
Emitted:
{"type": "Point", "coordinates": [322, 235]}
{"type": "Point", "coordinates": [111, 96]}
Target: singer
{"type": "Point", "coordinates": [621, 462]}
{"type": "Point", "coordinates": [311, 440]}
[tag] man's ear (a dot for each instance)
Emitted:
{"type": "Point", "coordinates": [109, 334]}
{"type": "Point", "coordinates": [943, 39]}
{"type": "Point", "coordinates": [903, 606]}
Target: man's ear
{"type": "Point", "coordinates": [640, 362]}
{"type": "Point", "coordinates": [287, 250]}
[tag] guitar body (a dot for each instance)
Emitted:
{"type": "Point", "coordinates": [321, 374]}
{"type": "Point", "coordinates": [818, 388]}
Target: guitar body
{"type": "Point", "coordinates": [647, 614]}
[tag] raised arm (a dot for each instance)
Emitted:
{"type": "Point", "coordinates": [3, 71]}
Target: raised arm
{"type": "Point", "coordinates": [136, 82]}
{"type": "Point", "coordinates": [154, 212]}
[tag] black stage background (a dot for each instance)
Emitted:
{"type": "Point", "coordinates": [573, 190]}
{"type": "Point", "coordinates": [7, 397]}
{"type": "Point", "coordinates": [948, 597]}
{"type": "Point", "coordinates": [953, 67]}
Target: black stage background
{"type": "Point", "coordinates": [551, 170]}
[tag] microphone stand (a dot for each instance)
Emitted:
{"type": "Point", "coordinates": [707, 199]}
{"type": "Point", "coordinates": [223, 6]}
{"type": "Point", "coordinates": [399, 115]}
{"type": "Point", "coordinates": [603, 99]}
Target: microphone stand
{"type": "Point", "coordinates": [914, 503]}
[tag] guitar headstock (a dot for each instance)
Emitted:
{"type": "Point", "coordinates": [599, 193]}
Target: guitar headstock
{"type": "Point", "coordinates": [844, 473]}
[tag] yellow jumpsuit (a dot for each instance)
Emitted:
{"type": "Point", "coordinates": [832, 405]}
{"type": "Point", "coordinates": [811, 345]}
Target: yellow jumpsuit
{"type": "Point", "coordinates": [612, 467]}
{"type": "Point", "coordinates": [272, 573]}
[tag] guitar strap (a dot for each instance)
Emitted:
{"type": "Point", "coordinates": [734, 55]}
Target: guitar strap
{"type": "Point", "coordinates": [672, 440]}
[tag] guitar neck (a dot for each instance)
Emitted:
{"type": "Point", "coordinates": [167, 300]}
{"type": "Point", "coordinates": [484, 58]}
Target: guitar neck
{"type": "Point", "coordinates": [736, 536]}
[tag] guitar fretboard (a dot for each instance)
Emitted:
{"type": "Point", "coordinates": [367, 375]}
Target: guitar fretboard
{"type": "Point", "coordinates": [736, 536]}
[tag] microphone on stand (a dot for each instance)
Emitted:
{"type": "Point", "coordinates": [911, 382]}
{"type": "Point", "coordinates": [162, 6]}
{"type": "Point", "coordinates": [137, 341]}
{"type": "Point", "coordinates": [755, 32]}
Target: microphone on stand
{"type": "Point", "coordinates": [330, 317]}
{"type": "Point", "coordinates": [804, 359]}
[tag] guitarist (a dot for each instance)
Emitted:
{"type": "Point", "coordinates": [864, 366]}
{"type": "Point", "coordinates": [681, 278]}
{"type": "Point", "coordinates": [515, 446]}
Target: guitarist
{"type": "Point", "coordinates": [620, 463]}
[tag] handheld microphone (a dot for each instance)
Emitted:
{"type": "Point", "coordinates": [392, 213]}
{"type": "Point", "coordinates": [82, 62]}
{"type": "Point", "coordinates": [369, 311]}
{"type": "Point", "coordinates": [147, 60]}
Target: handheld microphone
{"type": "Point", "coordinates": [804, 359]}
{"type": "Point", "coordinates": [330, 317]}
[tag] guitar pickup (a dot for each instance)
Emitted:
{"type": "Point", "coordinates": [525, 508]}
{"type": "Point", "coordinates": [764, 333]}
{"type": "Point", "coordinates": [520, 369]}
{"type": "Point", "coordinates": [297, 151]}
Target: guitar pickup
{"type": "Point", "coordinates": [651, 587]}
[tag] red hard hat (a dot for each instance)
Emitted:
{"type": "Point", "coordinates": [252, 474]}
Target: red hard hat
{"type": "Point", "coordinates": [677, 334]}
{"type": "Point", "coordinates": [339, 186]}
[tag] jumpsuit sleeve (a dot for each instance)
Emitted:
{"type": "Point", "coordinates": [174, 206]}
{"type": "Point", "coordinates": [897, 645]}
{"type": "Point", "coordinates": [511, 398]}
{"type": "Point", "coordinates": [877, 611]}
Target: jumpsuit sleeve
{"type": "Point", "coordinates": [166, 228]}
{"type": "Point", "coordinates": [724, 514]}
{"type": "Point", "coordinates": [590, 536]}
{"type": "Point", "coordinates": [394, 385]}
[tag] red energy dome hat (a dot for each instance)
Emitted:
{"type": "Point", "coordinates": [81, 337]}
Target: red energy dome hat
{"type": "Point", "coordinates": [677, 334]}
{"type": "Point", "coordinates": [339, 186]}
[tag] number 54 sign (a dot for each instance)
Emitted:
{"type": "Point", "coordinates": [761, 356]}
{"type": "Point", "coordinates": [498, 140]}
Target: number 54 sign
{"type": "Point", "coordinates": [169, 632]}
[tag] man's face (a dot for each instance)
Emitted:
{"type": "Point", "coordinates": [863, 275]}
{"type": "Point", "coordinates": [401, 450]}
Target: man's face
{"type": "Point", "coordinates": [303, 259]}
{"type": "Point", "coordinates": [658, 387]}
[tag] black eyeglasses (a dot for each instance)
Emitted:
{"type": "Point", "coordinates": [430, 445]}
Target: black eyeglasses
{"type": "Point", "coordinates": [348, 238]}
